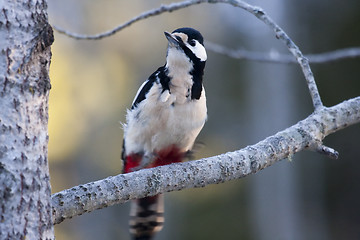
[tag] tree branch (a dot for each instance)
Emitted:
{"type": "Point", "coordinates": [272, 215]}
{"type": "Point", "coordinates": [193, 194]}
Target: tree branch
{"type": "Point", "coordinates": [293, 48]}
{"type": "Point", "coordinates": [154, 12]}
{"type": "Point", "coordinates": [275, 57]}
{"type": "Point", "coordinates": [306, 134]}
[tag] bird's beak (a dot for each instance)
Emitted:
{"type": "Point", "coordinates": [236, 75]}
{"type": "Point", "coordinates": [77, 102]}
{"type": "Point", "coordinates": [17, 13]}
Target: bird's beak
{"type": "Point", "coordinates": [172, 40]}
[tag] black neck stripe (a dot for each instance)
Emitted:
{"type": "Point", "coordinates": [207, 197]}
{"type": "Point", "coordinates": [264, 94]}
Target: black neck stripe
{"type": "Point", "coordinates": [197, 72]}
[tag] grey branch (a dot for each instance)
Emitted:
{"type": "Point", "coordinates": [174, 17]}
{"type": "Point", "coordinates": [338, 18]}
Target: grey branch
{"type": "Point", "coordinates": [275, 57]}
{"type": "Point", "coordinates": [294, 50]}
{"type": "Point", "coordinates": [306, 134]}
{"type": "Point", "coordinates": [331, 153]}
{"type": "Point", "coordinates": [157, 11]}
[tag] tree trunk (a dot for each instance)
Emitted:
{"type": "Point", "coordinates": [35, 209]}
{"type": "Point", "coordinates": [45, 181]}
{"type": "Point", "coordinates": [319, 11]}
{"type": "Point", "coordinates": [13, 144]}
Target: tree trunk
{"type": "Point", "coordinates": [25, 39]}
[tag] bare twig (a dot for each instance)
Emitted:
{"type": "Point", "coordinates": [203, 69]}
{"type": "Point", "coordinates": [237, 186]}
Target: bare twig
{"type": "Point", "coordinates": [225, 167]}
{"type": "Point", "coordinates": [276, 57]}
{"type": "Point", "coordinates": [157, 11]}
{"type": "Point", "coordinates": [335, 55]}
{"type": "Point", "coordinates": [281, 35]}
{"type": "Point", "coordinates": [327, 151]}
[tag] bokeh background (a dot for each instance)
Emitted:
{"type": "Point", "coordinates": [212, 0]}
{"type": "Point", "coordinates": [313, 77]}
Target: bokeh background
{"type": "Point", "coordinates": [93, 82]}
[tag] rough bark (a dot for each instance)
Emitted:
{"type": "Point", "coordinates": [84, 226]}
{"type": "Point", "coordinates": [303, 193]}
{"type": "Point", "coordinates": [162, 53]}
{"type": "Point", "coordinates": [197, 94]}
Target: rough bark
{"type": "Point", "coordinates": [25, 39]}
{"type": "Point", "coordinates": [306, 134]}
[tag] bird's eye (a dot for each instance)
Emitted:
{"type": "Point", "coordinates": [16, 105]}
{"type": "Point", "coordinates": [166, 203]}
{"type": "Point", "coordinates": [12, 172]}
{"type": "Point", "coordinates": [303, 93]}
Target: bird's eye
{"type": "Point", "coordinates": [192, 42]}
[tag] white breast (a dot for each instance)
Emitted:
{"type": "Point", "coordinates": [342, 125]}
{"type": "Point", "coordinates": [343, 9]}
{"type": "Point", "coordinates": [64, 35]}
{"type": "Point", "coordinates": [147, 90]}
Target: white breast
{"type": "Point", "coordinates": [155, 124]}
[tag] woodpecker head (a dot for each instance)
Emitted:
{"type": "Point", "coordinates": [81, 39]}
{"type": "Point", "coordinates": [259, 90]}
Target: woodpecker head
{"type": "Point", "coordinates": [186, 44]}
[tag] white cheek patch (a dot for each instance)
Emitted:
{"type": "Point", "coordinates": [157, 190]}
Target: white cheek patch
{"type": "Point", "coordinates": [199, 51]}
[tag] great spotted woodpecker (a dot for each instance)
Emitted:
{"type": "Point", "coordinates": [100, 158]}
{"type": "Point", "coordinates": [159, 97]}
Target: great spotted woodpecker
{"type": "Point", "coordinates": [166, 116]}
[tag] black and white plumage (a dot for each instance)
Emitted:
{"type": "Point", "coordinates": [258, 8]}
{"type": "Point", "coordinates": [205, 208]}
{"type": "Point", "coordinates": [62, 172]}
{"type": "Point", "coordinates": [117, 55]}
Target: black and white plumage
{"type": "Point", "coordinates": [166, 116]}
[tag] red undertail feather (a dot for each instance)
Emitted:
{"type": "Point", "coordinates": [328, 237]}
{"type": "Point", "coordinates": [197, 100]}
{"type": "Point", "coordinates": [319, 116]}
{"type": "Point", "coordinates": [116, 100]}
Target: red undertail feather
{"type": "Point", "coordinates": [171, 154]}
{"type": "Point", "coordinates": [132, 161]}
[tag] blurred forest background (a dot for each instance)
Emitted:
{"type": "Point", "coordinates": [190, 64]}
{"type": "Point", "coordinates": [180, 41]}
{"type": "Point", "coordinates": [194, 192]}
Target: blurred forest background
{"type": "Point", "coordinates": [93, 82]}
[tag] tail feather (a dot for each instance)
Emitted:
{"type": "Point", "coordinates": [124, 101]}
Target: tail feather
{"type": "Point", "coordinates": [146, 217]}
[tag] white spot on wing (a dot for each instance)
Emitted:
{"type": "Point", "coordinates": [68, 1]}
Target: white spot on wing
{"type": "Point", "coordinates": [165, 96]}
{"type": "Point", "coordinates": [138, 91]}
